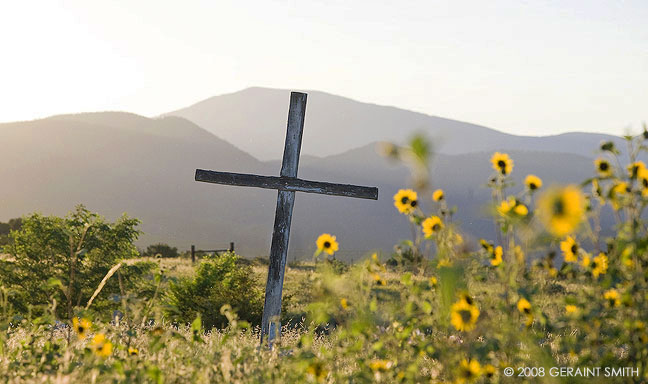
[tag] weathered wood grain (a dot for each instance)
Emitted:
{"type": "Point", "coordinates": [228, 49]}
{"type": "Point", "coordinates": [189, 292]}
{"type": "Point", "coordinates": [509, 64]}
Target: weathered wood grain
{"type": "Point", "coordinates": [292, 184]}
{"type": "Point", "coordinates": [287, 184]}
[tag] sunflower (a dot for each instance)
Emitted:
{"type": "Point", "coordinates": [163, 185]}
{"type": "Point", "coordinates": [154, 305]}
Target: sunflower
{"type": "Point", "coordinates": [489, 370]}
{"type": "Point", "coordinates": [502, 163]}
{"type": "Point", "coordinates": [488, 247]}
{"type": "Point", "coordinates": [524, 306]}
{"type": "Point", "coordinates": [585, 262]}
{"type": "Point", "coordinates": [81, 327]}
{"type": "Point", "coordinates": [643, 181]}
{"type": "Point", "coordinates": [562, 209]}
{"type": "Point", "coordinates": [133, 351]}
{"type": "Point", "coordinates": [613, 297]}
{"type": "Point", "coordinates": [326, 243]}
{"type": "Point", "coordinates": [618, 194]}
{"type": "Point", "coordinates": [101, 346]}
{"type": "Point", "coordinates": [635, 168]}
{"type": "Point", "coordinates": [570, 248]}
{"type": "Point", "coordinates": [405, 200]}
{"type": "Point", "coordinates": [603, 167]}
{"type": "Point", "coordinates": [512, 206]}
{"type": "Point", "coordinates": [571, 309]}
{"type": "Point", "coordinates": [463, 316]}
{"type": "Point", "coordinates": [469, 370]}
{"type": "Point", "coordinates": [496, 256]}
{"type": "Point", "coordinates": [599, 265]}
{"type": "Point", "coordinates": [431, 226]}
{"type": "Point", "coordinates": [380, 365]}
{"type": "Point", "coordinates": [317, 371]}
{"type": "Point", "coordinates": [344, 303]}
{"type": "Point", "coordinates": [533, 182]}
{"type": "Point", "coordinates": [438, 195]}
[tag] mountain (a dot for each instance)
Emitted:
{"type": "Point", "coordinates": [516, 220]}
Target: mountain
{"type": "Point", "coordinates": [254, 120]}
{"type": "Point", "coordinates": [116, 162]}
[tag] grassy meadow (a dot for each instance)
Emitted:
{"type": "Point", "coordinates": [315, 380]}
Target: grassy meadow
{"type": "Point", "coordinates": [551, 298]}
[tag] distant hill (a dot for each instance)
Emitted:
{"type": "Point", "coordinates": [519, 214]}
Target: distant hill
{"type": "Point", "coordinates": [254, 120]}
{"type": "Point", "coordinates": [119, 162]}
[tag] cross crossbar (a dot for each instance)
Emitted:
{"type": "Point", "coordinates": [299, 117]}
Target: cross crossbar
{"type": "Point", "coordinates": [287, 184]}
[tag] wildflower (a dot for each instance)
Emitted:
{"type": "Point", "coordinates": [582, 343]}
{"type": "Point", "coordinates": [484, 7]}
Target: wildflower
{"type": "Point", "coordinates": [626, 256]}
{"type": "Point", "coordinates": [496, 256]}
{"type": "Point", "coordinates": [133, 351]}
{"type": "Point", "coordinates": [571, 309]}
{"type": "Point", "coordinates": [502, 163]}
{"type": "Point", "coordinates": [344, 303]}
{"type": "Point", "coordinates": [529, 320]}
{"type": "Point", "coordinates": [438, 195]}
{"type": "Point", "coordinates": [433, 281]}
{"type": "Point", "coordinates": [533, 182]}
{"type": "Point", "coordinates": [378, 279]}
{"type": "Point", "coordinates": [489, 370]}
{"type": "Point", "coordinates": [431, 226]}
{"type": "Point", "coordinates": [464, 315]}
{"type": "Point", "coordinates": [317, 371]}
{"type": "Point", "coordinates": [326, 243]}
{"type": "Point", "coordinates": [486, 245]}
{"type": "Point", "coordinates": [512, 205]}
{"type": "Point", "coordinates": [524, 306]}
{"type": "Point", "coordinates": [562, 209]}
{"type": "Point", "coordinates": [101, 346]}
{"type": "Point", "coordinates": [603, 167]}
{"type": "Point", "coordinates": [380, 365]}
{"type": "Point", "coordinates": [469, 370]}
{"type": "Point", "coordinates": [81, 327]}
{"type": "Point", "coordinates": [405, 201]}
{"type": "Point", "coordinates": [618, 193]}
{"type": "Point", "coordinates": [613, 297]}
{"type": "Point", "coordinates": [635, 168]}
{"type": "Point", "coordinates": [599, 265]}
{"type": "Point", "coordinates": [569, 248]}
{"type": "Point", "coordinates": [643, 182]}
{"type": "Point", "coordinates": [445, 262]}
{"type": "Point", "coordinates": [585, 262]}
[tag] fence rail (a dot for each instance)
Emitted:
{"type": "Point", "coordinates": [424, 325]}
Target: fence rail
{"type": "Point", "coordinates": [194, 251]}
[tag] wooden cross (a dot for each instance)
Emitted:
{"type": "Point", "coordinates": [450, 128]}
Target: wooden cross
{"type": "Point", "coordinates": [287, 184]}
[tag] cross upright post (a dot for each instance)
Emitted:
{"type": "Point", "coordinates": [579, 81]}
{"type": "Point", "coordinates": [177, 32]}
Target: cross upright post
{"type": "Point", "coordinates": [287, 184]}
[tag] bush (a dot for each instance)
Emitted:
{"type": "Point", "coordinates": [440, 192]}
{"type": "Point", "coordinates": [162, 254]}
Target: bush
{"type": "Point", "coordinates": [65, 259]}
{"type": "Point", "coordinates": [161, 249]}
{"type": "Point", "coordinates": [217, 281]}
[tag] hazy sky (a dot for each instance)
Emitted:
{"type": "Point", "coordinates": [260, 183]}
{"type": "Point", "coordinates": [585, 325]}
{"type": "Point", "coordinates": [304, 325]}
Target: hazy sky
{"type": "Point", "coordinates": [526, 67]}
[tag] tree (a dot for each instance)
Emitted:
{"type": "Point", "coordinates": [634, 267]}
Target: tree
{"type": "Point", "coordinates": [77, 250]}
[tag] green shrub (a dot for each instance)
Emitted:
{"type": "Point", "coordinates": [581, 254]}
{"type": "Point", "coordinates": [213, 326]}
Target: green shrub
{"type": "Point", "coordinates": [218, 281]}
{"type": "Point", "coordinates": [76, 250]}
{"type": "Point", "coordinates": [161, 250]}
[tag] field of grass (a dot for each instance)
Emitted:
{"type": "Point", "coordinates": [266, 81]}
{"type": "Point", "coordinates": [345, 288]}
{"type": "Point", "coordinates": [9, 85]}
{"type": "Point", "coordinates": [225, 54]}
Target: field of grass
{"type": "Point", "coordinates": [548, 300]}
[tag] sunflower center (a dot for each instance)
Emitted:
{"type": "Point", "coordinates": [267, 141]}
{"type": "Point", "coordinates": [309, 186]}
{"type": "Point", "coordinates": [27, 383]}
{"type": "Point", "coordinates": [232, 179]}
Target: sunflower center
{"type": "Point", "coordinates": [574, 248]}
{"type": "Point", "coordinates": [644, 182]}
{"type": "Point", "coordinates": [465, 315]}
{"type": "Point", "coordinates": [559, 207]}
{"type": "Point", "coordinates": [501, 164]}
{"type": "Point", "coordinates": [604, 166]}
{"type": "Point", "coordinates": [327, 244]}
{"type": "Point", "coordinates": [81, 329]}
{"type": "Point", "coordinates": [414, 203]}
{"type": "Point", "coordinates": [526, 310]}
{"type": "Point", "coordinates": [533, 186]}
{"type": "Point", "coordinates": [436, 227]}
{"type": "Point", "coordinates": [404, 199]}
